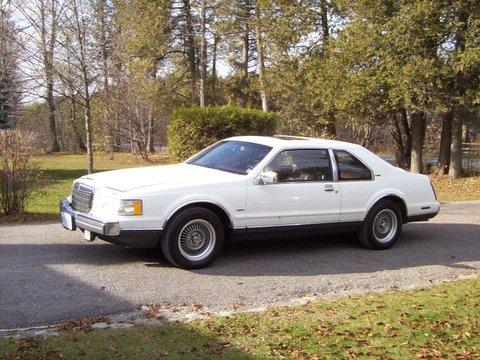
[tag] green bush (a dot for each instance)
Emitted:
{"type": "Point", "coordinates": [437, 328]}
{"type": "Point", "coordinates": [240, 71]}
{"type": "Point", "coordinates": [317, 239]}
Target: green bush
{"type": "Point", "coordinates": [191, 129]}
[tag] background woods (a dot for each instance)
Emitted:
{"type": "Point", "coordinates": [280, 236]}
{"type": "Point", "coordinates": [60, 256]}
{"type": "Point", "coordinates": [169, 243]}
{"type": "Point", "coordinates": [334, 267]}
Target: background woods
{"type": "Point", "coordinates": [398, 76]}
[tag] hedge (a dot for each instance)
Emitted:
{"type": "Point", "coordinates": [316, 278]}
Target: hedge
{"type": "Point", "coordinates": [192, 129]}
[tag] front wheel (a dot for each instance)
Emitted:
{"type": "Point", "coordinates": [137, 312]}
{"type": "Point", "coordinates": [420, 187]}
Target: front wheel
{"type": "Point", "coordinates": [382, 226]}
{"type": "Point", "coordinates": [193, 238]}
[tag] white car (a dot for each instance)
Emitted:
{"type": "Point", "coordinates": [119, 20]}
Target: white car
{"type": "Point", "coordinates": [250, 186]}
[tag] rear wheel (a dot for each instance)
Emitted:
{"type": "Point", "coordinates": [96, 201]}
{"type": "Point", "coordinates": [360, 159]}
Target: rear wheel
{"type": "Point", "coordinates": [382, 227]}
{"type": "Point", "coordinates": [193, 238]}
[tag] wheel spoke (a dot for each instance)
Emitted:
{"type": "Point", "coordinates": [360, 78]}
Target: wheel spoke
{"type": "Point", "coordinates": [385, 225]}
{"type": "Point", "coordinates": [196, 239]}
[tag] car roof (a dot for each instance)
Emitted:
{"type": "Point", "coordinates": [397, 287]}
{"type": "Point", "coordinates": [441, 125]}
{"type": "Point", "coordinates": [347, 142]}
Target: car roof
{"type": "Point", "coordinates": [285, 141]}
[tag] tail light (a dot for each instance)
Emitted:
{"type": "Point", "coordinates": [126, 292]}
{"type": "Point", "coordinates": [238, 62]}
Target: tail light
{"type": "Point", "coordinates": [433, 189]}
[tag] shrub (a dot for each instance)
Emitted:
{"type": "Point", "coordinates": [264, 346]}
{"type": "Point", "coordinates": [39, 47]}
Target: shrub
{"type": "Point", "coordinates": [192, 129]}
{"type": "Point", "coordinates": [19, 174]}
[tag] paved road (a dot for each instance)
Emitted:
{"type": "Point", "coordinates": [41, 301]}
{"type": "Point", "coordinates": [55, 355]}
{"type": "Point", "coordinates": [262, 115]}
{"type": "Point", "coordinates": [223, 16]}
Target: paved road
{"type": "Point", "coordinates": [48, 275]}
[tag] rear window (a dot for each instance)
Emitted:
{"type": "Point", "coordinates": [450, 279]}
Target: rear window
{"type": "Point", "coordinates": [350, 168]}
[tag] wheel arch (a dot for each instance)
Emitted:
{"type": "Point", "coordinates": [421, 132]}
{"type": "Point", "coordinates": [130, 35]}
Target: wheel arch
{"type": "Point", "coordinates": [395, 198]}
{"type": "Point", "coordinates": [216, 208]}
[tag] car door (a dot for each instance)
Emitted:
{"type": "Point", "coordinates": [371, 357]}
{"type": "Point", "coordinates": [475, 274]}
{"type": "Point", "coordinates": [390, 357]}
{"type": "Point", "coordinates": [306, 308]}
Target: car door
{"type": "Point", "coordinates": [304, 193]}
{"type": "Point", "coordinates": [357, 185]}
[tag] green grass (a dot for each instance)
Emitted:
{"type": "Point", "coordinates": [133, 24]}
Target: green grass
{"type": "Point", "coordinates": [60, 170]}
{"type": "Point", "coordinates": [438, 322]}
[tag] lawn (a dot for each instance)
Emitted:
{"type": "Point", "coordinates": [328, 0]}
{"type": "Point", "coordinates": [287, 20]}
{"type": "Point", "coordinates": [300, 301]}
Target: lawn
{"type": "Point", "coordinates": [464, 189]}
{"type": "Point", "coordinates": [438, 322]}
{"type": "Point", "coordinates": [60, 170]}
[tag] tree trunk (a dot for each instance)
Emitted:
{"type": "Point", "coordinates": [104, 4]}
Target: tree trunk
{"type": "Point", "coordinates": [246, 37]}
{"type": "Point", "coordinates": [406, 135]}
{"type": "Point", "coordinates": [89, 135]}
{"type": "Point", "coordinates": [468, 137]}
{"type": "Point", "coordinates": [51, 115]}
{"type": "Point", "coordinates": [203, 52]}
{"type": "Point", "coordinates": [47, 49]}
{"type": "Point", "coordinates": [150, 126]}
{"type": "Point", "coordinates": [443, 162]}
{"type": "Point", "coordinates": [418, 136]}
{"type": "Point", "coordinates": [107, 123]}
{"type": "Point", "coordinates": [455, 170]}
{"type": "Point", "coordinates": [331, 128]}
{"type": "Point", "coordinates": [402, 138]}
{"type": "Point", "coordinates": [398, 141]}
{"type": "Point", "coordinates": [245, 50]}
{"type": "Point", "coordinates": [73, 122]}
{"type": "Point", "coordinates": [261, 59]}
{"type": "Point", "coordinates": [150, 149]}
{"type": "Point", "coordinates": [324, 23]}
{"type": "Point", "coordinates": [191, 49]}
{"type": "Point", "coordinates": [214, 66]}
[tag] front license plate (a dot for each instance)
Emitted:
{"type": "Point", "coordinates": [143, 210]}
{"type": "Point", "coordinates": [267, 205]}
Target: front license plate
{"type": "Point", "coordinates": [67, 220]}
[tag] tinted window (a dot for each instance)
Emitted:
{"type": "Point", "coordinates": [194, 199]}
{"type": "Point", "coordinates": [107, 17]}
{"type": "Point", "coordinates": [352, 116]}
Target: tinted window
{"type": "Point", "coordinates": [350, 168]}
{"type": "Point", "coordinates": [302, 165]}
{"type": "Point", "coordinates": [233, 156]}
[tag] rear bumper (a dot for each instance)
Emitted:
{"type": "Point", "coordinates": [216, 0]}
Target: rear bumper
{"type": "Point", "coordinates": [422, 217]}
{"type": "Point", "coordinates": [110, 231]}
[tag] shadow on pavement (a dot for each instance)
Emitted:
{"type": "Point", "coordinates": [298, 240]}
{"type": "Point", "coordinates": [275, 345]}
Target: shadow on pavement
{"type": "Point", "coordinates": [53, 284]}
{"type": "Point", "coordinates": [420, 244]}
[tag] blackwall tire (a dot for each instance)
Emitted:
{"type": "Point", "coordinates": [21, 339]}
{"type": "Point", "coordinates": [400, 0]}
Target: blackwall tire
{"type": "Point", "coordinates": [382, 226]}
{"type": "Point", "coordinates": [193, 238]}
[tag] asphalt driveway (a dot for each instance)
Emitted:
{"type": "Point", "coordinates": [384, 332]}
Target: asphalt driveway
{"type": "Point", "coordinates": [49, 275]}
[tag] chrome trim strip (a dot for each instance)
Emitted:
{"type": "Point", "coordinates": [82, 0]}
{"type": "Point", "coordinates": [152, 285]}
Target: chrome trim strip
{"type": "Point", "coordinates": [297, 224]}
{"type": "Point", "coordinates": [333, 161]}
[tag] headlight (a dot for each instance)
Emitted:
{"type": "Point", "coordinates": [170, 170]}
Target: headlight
{"type": "Point", "coordinates": [130, 207]}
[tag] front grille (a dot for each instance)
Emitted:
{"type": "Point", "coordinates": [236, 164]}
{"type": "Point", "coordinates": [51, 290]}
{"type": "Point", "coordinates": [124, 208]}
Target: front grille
{"type": "Point", "coordinates": [82, 197]}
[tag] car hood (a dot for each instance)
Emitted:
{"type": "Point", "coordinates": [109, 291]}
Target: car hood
{"type": "Point", "coordinates": [168, 175]}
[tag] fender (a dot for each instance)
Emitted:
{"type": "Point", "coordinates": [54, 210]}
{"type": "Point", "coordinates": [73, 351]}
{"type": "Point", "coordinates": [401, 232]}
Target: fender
{"type": "Point", "coordinates": [181, 203]}
{"type": "Point", "coordinates": [382, 194]}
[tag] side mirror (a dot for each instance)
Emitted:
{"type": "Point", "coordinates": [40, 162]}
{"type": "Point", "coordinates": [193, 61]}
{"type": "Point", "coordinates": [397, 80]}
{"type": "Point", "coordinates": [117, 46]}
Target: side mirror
{"type": "Point", "coordinates": [268, 177]}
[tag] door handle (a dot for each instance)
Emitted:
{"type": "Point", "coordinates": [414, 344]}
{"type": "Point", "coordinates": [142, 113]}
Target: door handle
{"type": "Point", "coordinates": [329, 187]}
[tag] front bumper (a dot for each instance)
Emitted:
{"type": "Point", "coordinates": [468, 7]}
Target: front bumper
{"type": "Point", "coordinates": [110, 231]}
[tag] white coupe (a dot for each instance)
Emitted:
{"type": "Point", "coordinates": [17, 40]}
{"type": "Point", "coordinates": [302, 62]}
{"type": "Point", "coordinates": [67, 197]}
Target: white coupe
{"type": "Point", "coordinates": [250, 186]}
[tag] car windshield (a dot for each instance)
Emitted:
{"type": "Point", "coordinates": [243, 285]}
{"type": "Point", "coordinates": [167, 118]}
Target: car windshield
{"type": "Point", "coordinates": [238, 157]}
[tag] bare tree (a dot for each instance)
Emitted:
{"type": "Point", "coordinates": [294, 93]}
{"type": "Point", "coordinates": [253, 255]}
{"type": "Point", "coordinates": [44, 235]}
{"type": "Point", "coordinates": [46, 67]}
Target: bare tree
{"type": "Point", "coordinates": [79, 49]}
{"type": "Point", "coordinates": [42, 17]}
{"type": "Point", "coordinates": [103, 33]}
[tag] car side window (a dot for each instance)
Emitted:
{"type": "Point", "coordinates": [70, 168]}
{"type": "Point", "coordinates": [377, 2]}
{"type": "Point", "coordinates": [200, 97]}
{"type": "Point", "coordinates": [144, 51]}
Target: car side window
{"type": "Point", "coordinates": [302, 165]}
{"type": "Point", "coordinates": [350, 168]}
